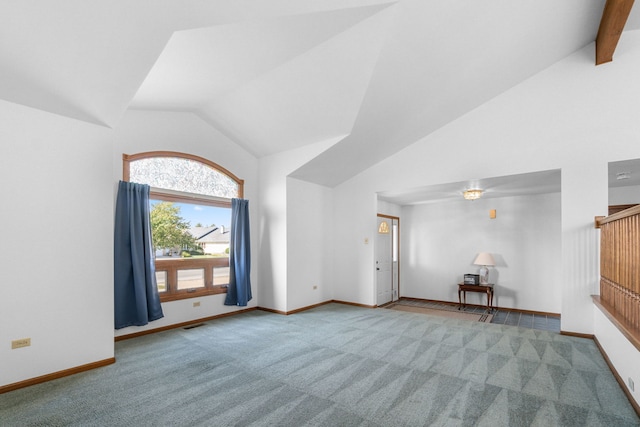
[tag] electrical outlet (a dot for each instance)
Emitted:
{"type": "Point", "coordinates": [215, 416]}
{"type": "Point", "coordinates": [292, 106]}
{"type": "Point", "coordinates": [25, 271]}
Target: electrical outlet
{"type": "Point", "coordinates": [24, 342]}
{"type": "Point", "coordinates": [631, 385]}
{"type": "Point", "coordinates": [196, 304]}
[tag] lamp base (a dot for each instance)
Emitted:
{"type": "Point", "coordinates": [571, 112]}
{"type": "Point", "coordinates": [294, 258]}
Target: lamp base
{"type": "Point", "coordinates": [484, 275]}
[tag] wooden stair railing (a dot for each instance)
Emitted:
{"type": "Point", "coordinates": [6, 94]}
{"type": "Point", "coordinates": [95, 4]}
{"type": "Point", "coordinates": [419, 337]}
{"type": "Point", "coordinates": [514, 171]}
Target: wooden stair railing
{"type": "Point", "coordinates": [620, 271]}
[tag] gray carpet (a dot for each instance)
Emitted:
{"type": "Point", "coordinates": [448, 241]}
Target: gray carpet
{"type": "Point", "coordinates": [336, 365]}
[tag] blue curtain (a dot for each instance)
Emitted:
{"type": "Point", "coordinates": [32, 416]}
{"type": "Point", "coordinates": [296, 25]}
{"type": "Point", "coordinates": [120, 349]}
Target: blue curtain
{"type": "Point", "coordinates": [136, 296]}
{"type": "Point", "coordinates": [239, 291]}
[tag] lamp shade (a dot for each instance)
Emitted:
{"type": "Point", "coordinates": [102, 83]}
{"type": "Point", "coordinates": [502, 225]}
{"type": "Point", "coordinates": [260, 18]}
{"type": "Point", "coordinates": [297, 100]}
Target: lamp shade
{"type": "Point", "coordinates": [484, 258]}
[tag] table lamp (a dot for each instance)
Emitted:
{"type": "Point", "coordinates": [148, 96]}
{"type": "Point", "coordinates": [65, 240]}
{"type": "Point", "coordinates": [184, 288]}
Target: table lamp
{"type": "Point", "coordinates": [484, 259]}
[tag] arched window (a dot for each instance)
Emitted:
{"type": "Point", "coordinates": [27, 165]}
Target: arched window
{"type": "Point", "coordinates": [167, 171]}
{"type": "Point", "coordinates": [190, 220]}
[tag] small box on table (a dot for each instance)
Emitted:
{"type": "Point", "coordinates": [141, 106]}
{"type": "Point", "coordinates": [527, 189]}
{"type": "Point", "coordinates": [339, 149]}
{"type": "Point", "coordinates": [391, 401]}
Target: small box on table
{"type": "Point", "coordinates": [471, 279]}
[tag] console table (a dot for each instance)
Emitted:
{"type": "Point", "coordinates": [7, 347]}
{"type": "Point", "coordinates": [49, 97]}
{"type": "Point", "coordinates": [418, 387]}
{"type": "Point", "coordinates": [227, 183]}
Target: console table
{"type": "Point", "coordinates": [485, 289]}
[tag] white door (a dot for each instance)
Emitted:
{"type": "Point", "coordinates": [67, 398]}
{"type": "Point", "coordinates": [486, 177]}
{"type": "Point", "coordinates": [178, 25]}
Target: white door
{"type": "Point", "coordinates": [395, 258]}
{"type": "Point", "coordinates": [384, 268]}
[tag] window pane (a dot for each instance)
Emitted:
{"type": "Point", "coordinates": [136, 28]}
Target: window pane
{"type": "Point", "coordinates": [191, 278]}
{"type": "Point", "coordinates": [161, 279]}
{"type": "Point", "coordinates": [220, 276]}
{"type": "Point", "coordinates": [189, 230]}
{"type": "Point", "coordinates": [174, 173]}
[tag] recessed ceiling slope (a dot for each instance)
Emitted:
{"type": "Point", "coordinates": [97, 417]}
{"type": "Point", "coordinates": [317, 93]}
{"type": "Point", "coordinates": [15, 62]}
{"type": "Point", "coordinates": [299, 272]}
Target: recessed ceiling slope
{"type": "Point", "coordinates": [443, 60]}
{"type": "Point", "coordinates": [199, 65]}
{"type": "Point", "coordinates": [633, 22]}
{"type": "Point", "coordinates": [313, 97]}
{"type": "Point", "coordinates": [278, 74]}
{"type": "Point", "coordinates": [83, 60]}
{"type": "Point", "coordinates": [87, 59]}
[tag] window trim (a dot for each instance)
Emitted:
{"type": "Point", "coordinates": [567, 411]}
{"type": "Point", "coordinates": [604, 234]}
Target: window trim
{"type": "Point", "coordinates": [184, 197]}
{"type": "Point", "coordinates": [171, 266]}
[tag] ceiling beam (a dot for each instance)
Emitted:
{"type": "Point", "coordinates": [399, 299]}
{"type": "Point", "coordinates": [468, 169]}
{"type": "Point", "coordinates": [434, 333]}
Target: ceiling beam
{"type": "Point", "coordinates": [614, 16]}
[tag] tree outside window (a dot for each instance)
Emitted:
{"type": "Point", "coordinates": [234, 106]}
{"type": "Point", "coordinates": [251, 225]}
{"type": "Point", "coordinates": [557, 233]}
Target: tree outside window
{"type": "Point", "coordinates": [169, 231]}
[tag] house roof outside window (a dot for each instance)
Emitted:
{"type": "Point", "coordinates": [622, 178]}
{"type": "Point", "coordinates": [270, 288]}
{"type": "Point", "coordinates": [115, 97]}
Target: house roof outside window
{"type": "Point", "coordinates": [210, 234]}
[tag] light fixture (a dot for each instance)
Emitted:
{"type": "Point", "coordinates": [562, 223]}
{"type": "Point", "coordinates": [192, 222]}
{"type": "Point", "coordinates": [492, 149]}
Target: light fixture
{"type": "Point", "coordinates": [472, 194]}
{"type": "Point", "coordinates": [484, 259]}
{"type": "Point", "coordinates": [623, 175]}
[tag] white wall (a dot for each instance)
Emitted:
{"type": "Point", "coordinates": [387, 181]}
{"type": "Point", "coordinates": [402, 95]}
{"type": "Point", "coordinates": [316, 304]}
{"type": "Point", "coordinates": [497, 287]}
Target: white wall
{"type": "Point", "coordinates": [310, 239]}
{"type": "Point", "coordinates": [57, 233]}
{"type": "Point", "coordinates": [584, 196]}
{"type": "Point", "coordinates": [628, 195]}
{"type": "Point", "coordinates": [273, 171]}
{"type": "Point", "coordinates": [622, 354]}
{"type": "Point", "coordinates": [573, 116]}
{"type": "Point", "coordinates": [355, 210]}
{"type": "Point", "coordinates": [141, 131]}
{"type": "Point", "coordinates": [440, 241]}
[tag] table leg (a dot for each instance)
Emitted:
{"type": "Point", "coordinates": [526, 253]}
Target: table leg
{"type": "Point", "coordinates": [459, 300]}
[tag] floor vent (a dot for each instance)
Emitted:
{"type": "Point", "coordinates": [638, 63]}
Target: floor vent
{"type": "Point", "coordinates": [193, 326]}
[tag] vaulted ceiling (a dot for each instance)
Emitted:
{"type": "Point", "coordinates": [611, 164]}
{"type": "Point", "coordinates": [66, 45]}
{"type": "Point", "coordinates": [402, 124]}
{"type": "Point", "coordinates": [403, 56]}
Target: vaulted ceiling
{"type": "Point", "coordinates": [371, 76]}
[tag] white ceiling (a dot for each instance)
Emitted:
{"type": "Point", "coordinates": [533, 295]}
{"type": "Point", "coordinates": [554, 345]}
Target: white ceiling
{"type": "Point", "coordinates": [272, 75]}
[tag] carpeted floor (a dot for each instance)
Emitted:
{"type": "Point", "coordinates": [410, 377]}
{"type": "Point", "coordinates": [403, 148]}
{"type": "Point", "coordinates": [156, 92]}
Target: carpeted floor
{"type": "Point", "coordinates": [336, 365]}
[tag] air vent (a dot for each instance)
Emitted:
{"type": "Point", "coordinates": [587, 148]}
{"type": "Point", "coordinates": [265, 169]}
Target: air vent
{"type": "Point", "coordinates": [193, 326]}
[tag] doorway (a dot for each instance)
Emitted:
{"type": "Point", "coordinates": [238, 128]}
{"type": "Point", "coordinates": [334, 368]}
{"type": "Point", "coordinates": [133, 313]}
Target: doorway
{"type": "Point", "coordinates": [387, 259]}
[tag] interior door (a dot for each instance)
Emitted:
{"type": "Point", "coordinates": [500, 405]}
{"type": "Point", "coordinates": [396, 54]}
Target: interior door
{"type": "Point", "coordinates": [395, 258]}
{"type": "Point", "coordinates": [384, 268]}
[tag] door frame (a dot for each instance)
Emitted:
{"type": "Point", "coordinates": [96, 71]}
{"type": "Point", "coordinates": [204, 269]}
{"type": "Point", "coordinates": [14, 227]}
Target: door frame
{"type": "Point", "coordinates": [392, 218]}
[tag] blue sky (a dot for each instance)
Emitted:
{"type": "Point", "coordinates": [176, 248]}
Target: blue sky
{"type": "Point", "coordinates": [205, 215]}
